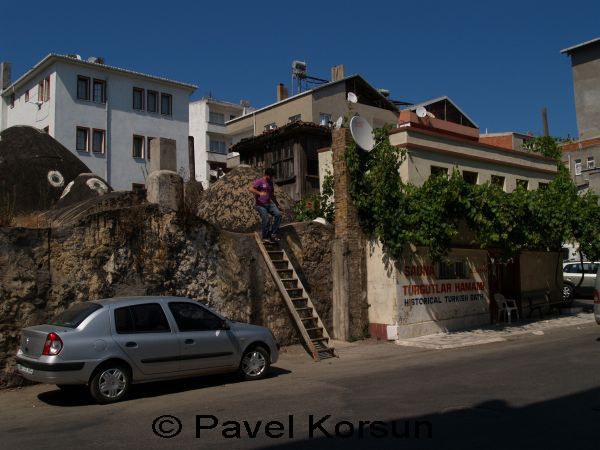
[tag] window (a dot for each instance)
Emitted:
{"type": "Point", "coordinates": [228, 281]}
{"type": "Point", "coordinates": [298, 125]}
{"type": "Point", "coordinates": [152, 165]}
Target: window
{"type": "Point", "coordinates": [572, 268]}
{"type": "Point", "coordinates": [283, 162]}
{"type": "Point", "coordinates": [27, 95]}
{"type": "Point", "coordinates": [166, 104]}
{"type": "Point", "coordinates": [138, 99]}
{"type": "Point", "coordinates": [522, 184]}
{"type": "Point", "coordinates": [231, 117]}
{"type": "Point", "coordinates": [217, 146]}
{"type": "Point", "coordinates": [98, 137]}
{"type": "Point", "coordinates": [497, 180]}
{"type": "Point", "coordinates": [74, 315]}
{"type": "Point", "coordinates": [470, 177]}
{"type": "Point", "coordinates": [138, 146]}
{"type": "Point", "coordinates": [99, 91]}
{"type": "Point", "coordinates": [295, 118]}
{"type": "Point", "coordinates": [82, 139]}
{"type": "Point", "coordinates": [590, 268]}
{"type": "Point", "coordinates": [12, 100]}
{"type": "Point", "coordinates": [591, 164]}
{"type": "Point", "coordinates": [41, 91]}
{"type": "Point", "coordinates": [152, 101]}
{"type": "Point", "coordinates": [324, 119]}
{"type": "Point", "coordinates": [453, 269]}
{"type": "Point", "coordinates": [149, 318]}
{"type": "Point", "coordinates": [438, 171]}
{"type": "Point", "coordinates": [542, 185]}
{"type": "Point", "coordinates": [190, 317]}
{"type": "Point", "coordinates": [270, 126]}
{"type": "Point", "coordinates": [216, 118]}
{"type": "Point", "coordinates": [137, 187]}
{"type": "Point", "coordinates": [83, 88]}
{"type": "Point", "coordinates": [46, 95]}
{"type": "Point", "coordinates": [577, 167]}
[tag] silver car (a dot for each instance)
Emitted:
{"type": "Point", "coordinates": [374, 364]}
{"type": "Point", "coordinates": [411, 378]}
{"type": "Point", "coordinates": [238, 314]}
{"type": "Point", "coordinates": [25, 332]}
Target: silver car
{"type": "Point", "coordinates": [572, 273]}
{"type": "Point", "coordinates": [110, 344]}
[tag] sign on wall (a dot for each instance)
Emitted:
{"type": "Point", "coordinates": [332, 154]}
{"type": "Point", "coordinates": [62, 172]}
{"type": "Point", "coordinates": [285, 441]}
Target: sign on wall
{"type": "Point", "coordinates": [454, 288]}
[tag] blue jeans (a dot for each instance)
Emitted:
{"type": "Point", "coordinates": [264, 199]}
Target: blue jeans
{"type": "Point", "coordinates": [264, 212]}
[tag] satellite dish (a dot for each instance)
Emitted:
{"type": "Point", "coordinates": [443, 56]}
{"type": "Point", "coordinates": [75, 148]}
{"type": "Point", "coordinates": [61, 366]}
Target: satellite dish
{"type": "Point", "coordinates": [362, 133]}
{"type": "Point", "coordinates": [421, 112]}
{"type": "Point", "coordinates": [352, 97]}
{"type": "Point", "coordinates": [339, 122]}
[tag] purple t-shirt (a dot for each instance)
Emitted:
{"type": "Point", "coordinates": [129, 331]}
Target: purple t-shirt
{"type": "Point", "coordinates": [263, 185]}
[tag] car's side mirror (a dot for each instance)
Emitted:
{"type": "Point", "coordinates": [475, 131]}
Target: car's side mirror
{"type": "Point", "coordinates": [225, 325]}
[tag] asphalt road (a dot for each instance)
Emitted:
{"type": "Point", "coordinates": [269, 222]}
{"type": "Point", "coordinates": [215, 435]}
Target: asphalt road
{"type": "Point", "coordinates": [527, 393]}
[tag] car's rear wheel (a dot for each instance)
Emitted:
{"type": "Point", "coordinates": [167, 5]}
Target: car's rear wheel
{"type": "Point", "coordinates": [255, 363]}
{"type": "Point", "coordinates": [110, 383]}
{"type": "Point", "coordinates": [568, 292]}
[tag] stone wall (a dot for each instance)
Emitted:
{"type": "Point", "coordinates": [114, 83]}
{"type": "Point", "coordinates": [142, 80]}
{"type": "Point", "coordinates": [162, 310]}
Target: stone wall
{"type": "Point", "coordinates": [143, 250]}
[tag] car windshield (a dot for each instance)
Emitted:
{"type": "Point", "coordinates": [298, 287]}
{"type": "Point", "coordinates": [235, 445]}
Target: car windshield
{"type": "Point", "coordinates": [72, 317]}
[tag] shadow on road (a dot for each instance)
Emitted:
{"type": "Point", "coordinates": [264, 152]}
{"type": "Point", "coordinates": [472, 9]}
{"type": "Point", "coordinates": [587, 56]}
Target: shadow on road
{"type": "Point", "coordinates": [79, 396]}
{"type": "Point", "coordinates": [566, 422]}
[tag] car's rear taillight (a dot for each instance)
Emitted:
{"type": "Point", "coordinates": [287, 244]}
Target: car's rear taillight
{"type": "Point", "coordinates": [53, 345]}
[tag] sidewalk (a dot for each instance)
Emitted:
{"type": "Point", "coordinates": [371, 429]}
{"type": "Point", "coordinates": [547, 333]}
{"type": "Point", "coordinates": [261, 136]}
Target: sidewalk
{"type": "Point", "coordinates": [494, 333]}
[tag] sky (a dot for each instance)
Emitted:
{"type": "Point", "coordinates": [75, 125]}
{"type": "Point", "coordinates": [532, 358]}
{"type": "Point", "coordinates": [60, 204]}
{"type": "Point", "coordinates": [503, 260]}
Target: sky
{"type": "Point", "coordinates": [499, 61]}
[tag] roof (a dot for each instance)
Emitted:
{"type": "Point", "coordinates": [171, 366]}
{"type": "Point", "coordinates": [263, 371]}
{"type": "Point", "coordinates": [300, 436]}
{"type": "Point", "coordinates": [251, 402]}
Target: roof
{"type": "Point", "coordinates": [285, 132]}
{"type": "Point", "coordinates": [53, 57]}
{"type": "Point", "coordinates": [380, 96]}
{"type": "Point", "coordinates": [578, 46]}
{"type": "Point", "coordinates": [219, 102]}
{"type": "Point", "coordinates": [506, 133]}
{"type": "Point", "coordinates": [440, 99]}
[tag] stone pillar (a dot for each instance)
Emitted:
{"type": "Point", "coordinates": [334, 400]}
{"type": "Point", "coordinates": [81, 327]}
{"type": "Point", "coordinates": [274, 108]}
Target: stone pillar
{"type": "Point", "coordinates": [350, 307]}
{"type": "Point", "coordinates": [163, 154]}
{"type": "Point", "coordinates": [165, 188]}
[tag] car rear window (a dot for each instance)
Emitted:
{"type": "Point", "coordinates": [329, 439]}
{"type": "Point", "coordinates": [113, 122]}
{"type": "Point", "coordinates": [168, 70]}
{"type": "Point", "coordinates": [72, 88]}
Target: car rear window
{"type": "Point", "coordinates": [72, 317]}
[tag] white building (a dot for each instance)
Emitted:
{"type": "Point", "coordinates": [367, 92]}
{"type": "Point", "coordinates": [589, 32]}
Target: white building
{"type": "Point", "coordinates": [211, 141]}
{"type": "Point", "coordinates": [105, 115]}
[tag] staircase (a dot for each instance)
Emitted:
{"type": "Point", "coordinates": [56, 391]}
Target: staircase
{"type": "Point", "coordinates": [297, 300]}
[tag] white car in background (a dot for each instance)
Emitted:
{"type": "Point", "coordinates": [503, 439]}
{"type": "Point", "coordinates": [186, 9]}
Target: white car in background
{"type": "Point", "coordinates": [572, 272]}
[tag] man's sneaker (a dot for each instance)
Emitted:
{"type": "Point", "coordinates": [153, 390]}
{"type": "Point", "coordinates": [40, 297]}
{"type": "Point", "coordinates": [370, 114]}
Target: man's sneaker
{"type": "Point", "coordinates": [267, 241]}
{"type": "Point", "coordinates": [275, 238]}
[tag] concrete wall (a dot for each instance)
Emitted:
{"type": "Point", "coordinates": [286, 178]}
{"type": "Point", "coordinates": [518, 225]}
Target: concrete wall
{"type": "Point", "coordinates": [28, 112]}
{"type": "Point", "coordinates": [202, 131]}
{"type": "Point", "coordinates": [408, 299]}
{"type": "Point", "coordinates": [425, 150]}
{"type": "Point", "coordinates": [64, 112]}
{"type": "Point", "coordinates": [586, 82]}
{"type": "Point", "coordinates": [325, 165]}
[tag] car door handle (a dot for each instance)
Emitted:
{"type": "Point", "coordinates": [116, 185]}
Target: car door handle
{"type": "Point", "coordinates": [188, 341]}
{"type": "Point", "coordinates": [131, 344]}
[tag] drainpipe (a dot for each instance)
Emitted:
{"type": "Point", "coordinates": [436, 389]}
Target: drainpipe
{"type": "Point", "coordinates": [107, 146]}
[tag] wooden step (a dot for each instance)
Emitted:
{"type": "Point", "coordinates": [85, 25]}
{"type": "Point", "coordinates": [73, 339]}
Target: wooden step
{"type": "Point", "coordinates": [314, 329]}
{"type": "Point", "coordinates": [281, 265]}
{"type": "Point", "coordinates": [276, 255]}
{"type": "Point", "coordinates": [320, 339]}
{"type": "Point", "coordinates": [285, 273]}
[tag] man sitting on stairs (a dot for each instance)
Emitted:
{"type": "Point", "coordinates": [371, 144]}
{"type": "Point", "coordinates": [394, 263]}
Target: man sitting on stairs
{"type": "Point", "coordinates": [266, 204]}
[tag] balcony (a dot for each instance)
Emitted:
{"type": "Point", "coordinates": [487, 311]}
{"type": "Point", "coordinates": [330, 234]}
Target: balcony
{"type": "Point", "coordinates": [218, 128]}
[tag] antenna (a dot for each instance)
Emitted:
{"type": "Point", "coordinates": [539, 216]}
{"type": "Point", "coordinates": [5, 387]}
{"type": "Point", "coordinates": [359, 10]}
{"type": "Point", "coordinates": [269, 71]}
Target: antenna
{"type": "Point", "coordinates": [421, 112]}
{"type": "Point", "coordinates": [362, 133]}
{"type": "Point", "coordinates": [352, 98]}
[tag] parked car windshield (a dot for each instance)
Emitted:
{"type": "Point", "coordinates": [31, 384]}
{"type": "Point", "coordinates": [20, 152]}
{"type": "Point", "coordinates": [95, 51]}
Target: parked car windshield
{"type": "Point", "coordinates": [73, 316]}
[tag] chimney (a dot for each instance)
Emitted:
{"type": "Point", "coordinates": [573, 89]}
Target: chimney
{"type": "Point", "coordinates": [337, 72]}
{"type": "Point", "coordinates": [4, 75]}
{"type": "Point", "coordinates": [282, 92]}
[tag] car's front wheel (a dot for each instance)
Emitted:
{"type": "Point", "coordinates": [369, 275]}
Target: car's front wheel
{"type": "Point", "coordinates": [110, 383]}
{"type": "Point", "coordinates": [255, 364]}
{"type": "Point", "coordinates": [568, 292]}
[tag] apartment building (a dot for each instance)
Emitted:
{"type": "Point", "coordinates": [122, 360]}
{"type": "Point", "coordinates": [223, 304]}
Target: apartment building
{"type": "Point", "coordinates": [320, 105]}
{"type": "Point", "coordinates": [105, 115]}
{"type": "Point", "coordinates": [581, 155]}
{"type": "Point", "coordinates": [208, 131]}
